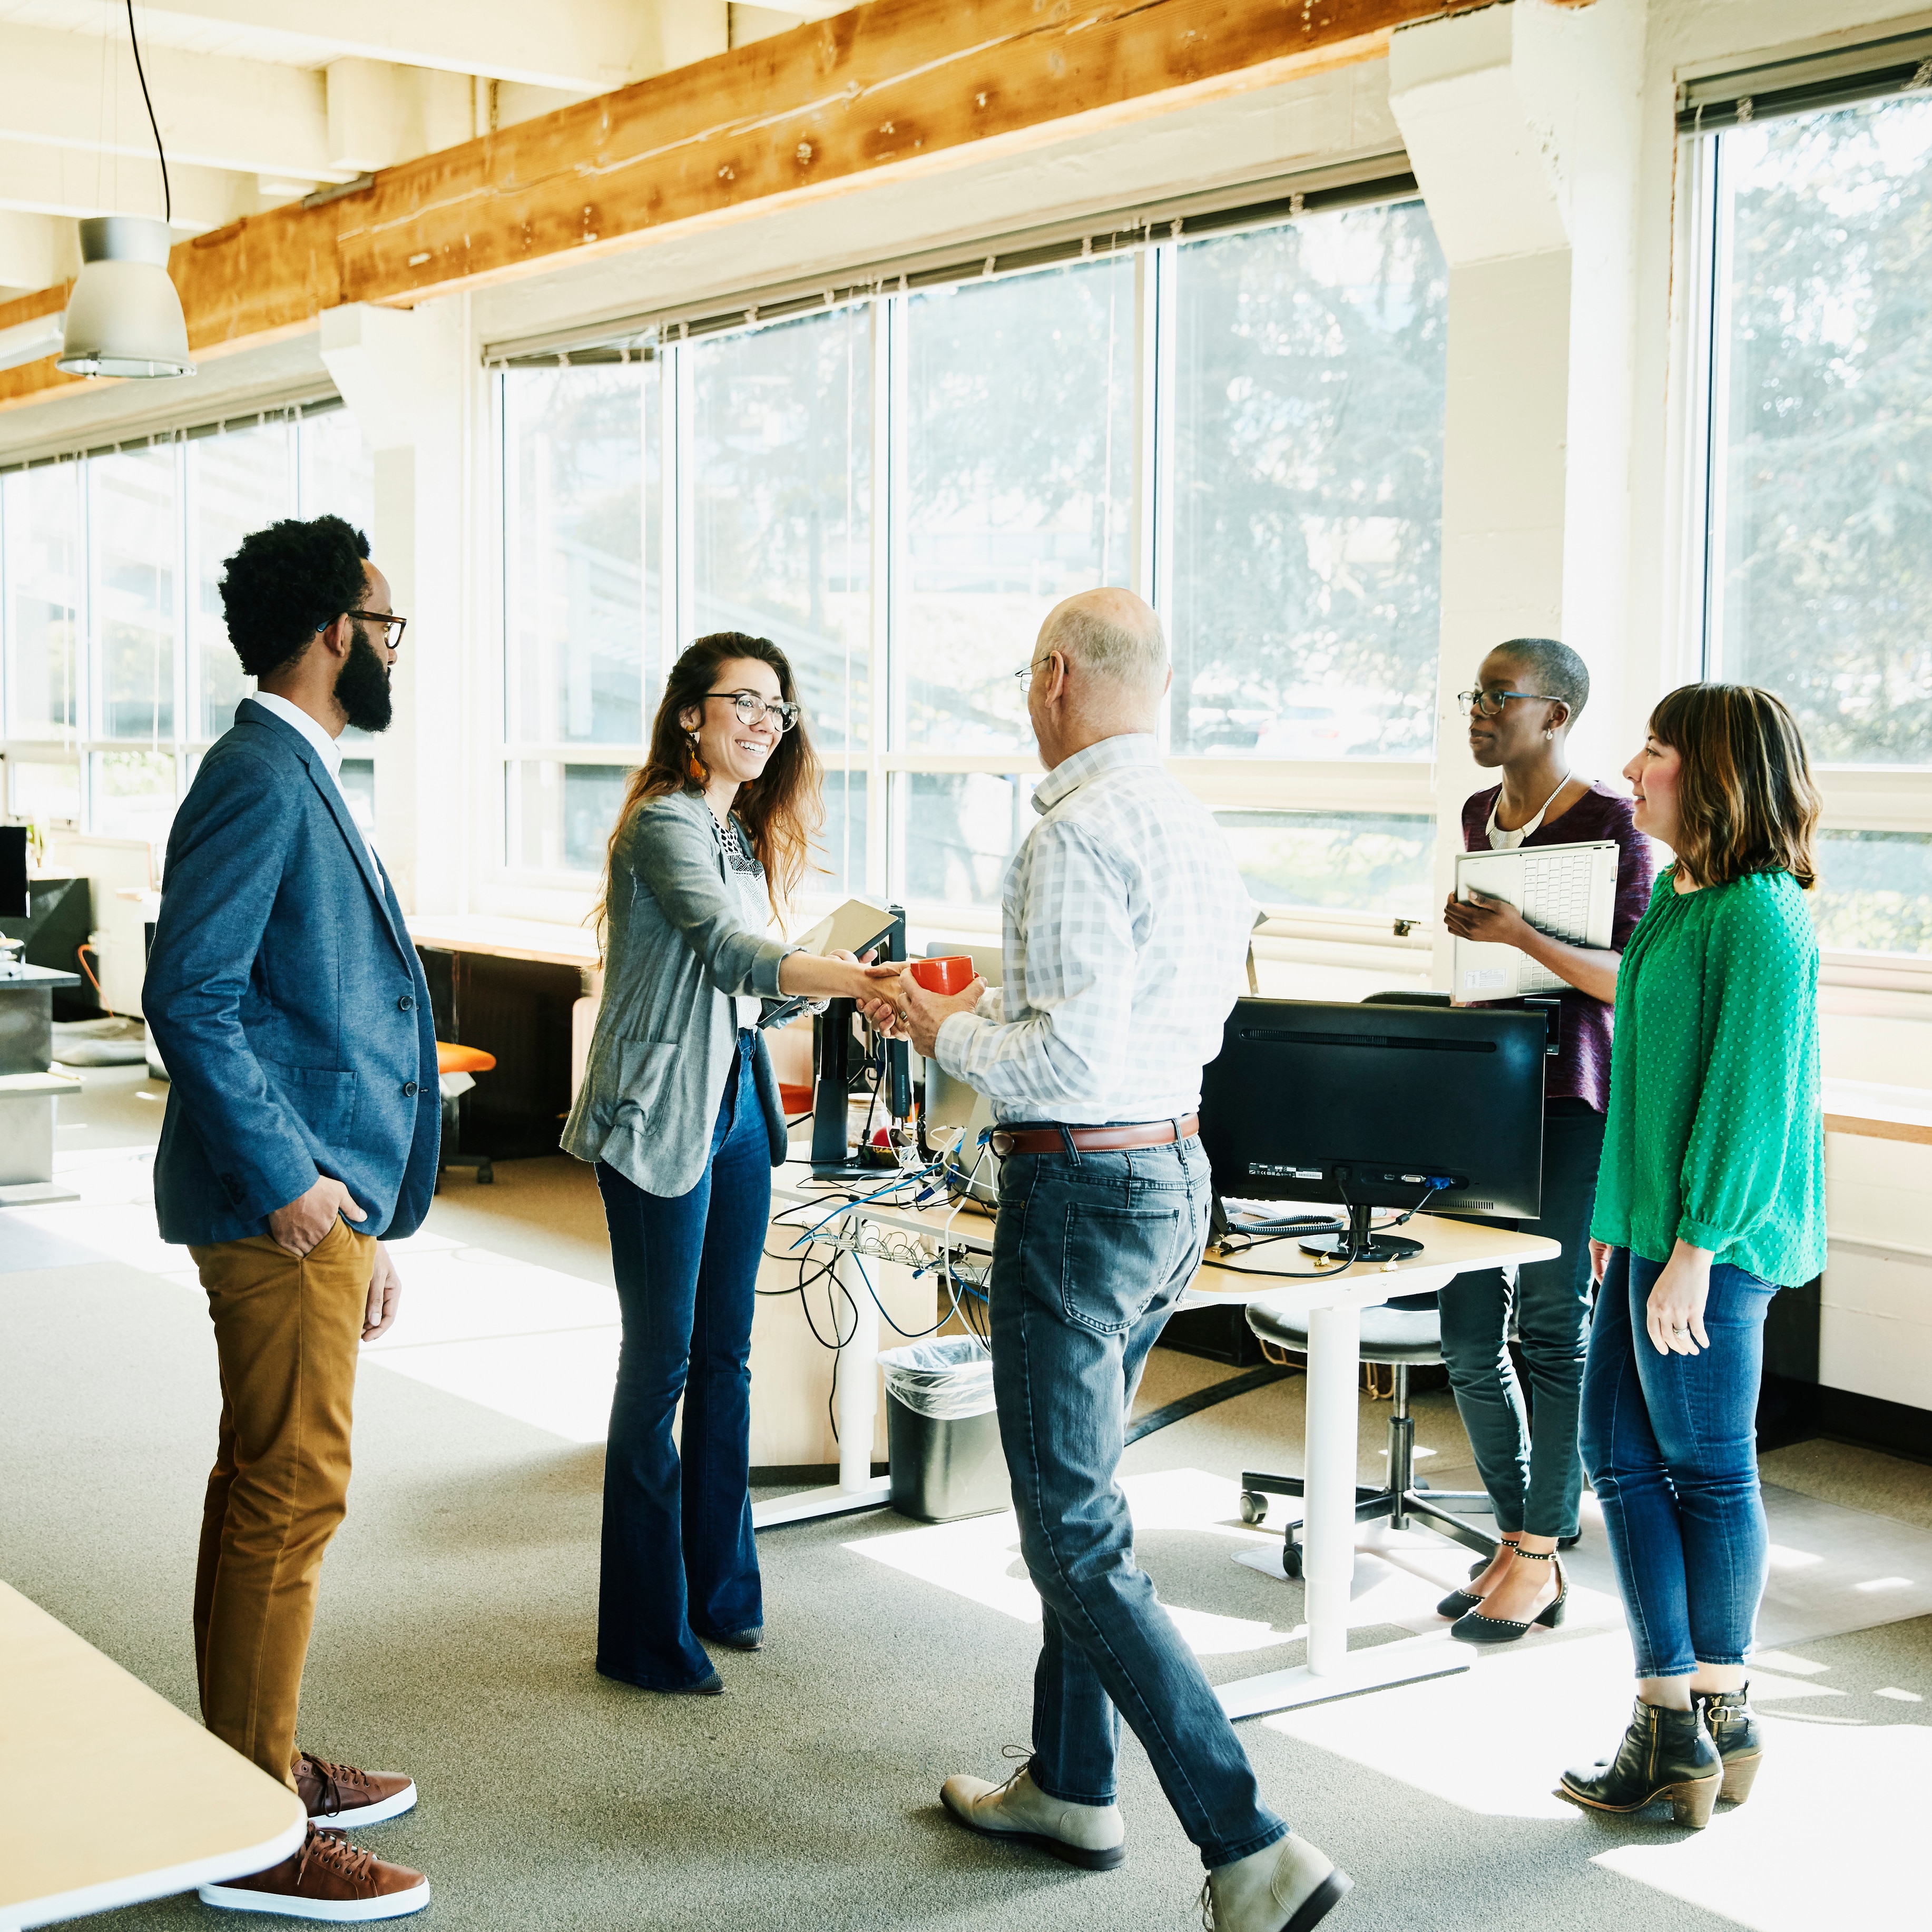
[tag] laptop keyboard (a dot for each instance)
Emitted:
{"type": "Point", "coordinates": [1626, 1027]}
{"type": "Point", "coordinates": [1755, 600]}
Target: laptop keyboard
{"type": "Point", "coordinates": [1555, 900]}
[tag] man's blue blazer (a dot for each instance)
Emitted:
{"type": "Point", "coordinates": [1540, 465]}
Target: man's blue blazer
{"type": "Point", "coordinates": [287, 1001]}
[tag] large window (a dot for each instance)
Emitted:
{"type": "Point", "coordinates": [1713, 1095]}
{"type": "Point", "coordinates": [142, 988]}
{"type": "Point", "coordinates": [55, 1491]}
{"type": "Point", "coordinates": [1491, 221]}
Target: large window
{"type": "Point", "coordinates": [1245, 428]}
{"type": "Point", "coordinates": [115, 670]}
{"type": "Point", "coordinates": [1307, 495]}
{"type": "Point", "coordinates": [1817, 550]}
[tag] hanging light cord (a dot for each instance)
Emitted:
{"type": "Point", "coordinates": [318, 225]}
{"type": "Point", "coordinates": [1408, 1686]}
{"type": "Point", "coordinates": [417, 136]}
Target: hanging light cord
{"type": "Point", "coordinates": [167, 192]}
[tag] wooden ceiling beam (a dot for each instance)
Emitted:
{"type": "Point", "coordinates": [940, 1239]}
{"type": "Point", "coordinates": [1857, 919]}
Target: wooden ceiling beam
{"type": "Point", "coordinates": [883, 89]}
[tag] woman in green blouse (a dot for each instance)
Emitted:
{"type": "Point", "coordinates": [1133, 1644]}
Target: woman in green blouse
{"type": "Point", "coordinates": [1711, 1198]}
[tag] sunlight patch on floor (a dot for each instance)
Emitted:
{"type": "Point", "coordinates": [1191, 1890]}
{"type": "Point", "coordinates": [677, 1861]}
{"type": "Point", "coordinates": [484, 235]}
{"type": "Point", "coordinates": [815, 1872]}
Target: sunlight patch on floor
{"type": "Point", "coordinates": [979, 1558]}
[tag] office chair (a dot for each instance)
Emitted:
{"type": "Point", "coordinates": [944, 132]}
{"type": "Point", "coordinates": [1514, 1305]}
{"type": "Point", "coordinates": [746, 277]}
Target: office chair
{"type": "Point", "coordinates": [1398, 1335]}
{"type": "Point", "coordinates": [465, 1061]}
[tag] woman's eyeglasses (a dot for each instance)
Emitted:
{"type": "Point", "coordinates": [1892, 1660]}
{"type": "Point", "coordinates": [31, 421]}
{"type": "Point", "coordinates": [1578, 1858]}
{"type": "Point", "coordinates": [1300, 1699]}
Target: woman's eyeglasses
{"type": "Point", "coordinates": [751, 710]}
{"type": "Point", "coordinates": [1489, 703]}
{"type": "Point", "coordinates": [393, 626]}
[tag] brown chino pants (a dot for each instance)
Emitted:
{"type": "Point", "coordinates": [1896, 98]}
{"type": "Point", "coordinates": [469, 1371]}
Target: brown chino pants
{"type": "Point", "coordinates": [287, 1332]}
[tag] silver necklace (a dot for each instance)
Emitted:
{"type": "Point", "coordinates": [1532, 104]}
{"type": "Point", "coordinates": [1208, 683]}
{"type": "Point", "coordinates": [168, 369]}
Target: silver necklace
{"type": "Point", "coordinates": [1507, 842]}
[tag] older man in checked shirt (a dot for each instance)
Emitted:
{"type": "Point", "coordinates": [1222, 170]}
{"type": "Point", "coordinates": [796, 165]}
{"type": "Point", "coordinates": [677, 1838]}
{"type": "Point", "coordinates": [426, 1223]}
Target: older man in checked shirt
{"type": "Point", "coordinates": [1126, 927]}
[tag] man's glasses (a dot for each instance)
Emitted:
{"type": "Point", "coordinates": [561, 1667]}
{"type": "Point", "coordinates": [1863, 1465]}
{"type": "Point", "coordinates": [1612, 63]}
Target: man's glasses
{"type": "Point", "coordinates": [1489, 703]}
{"type": "Point", "coordinates": [752, 709]}
{"type": "Point", "coordinates": [393, 626]}
{"type": "Point", "coordinates": [1025, 677]}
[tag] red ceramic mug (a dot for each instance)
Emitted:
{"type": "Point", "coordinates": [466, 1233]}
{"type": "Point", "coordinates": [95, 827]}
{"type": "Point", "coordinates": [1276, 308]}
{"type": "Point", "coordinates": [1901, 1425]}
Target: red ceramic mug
{"type": "Point", "coordinates": [953, 974]}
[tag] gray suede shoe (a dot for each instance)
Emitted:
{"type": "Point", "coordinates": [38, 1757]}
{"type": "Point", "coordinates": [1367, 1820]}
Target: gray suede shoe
{"type": "Point", "coordinates": [1286, 1887]}
{"type": "Point", "coordinates": [1090, 1836]}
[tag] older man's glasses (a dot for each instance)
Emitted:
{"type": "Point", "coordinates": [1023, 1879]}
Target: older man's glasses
{"type": "Point", "coordinates": [1489, 703]}
{"type": "Point", "coordinates": [752, 709]}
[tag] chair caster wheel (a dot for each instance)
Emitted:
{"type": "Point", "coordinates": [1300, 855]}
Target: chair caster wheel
{"type": "Point", "coordinates": [1254, 1506]}
{"type": "Point", "coordinates": [485, 1174]}
{"type": "Point", "coordinates": [1291, 1559]}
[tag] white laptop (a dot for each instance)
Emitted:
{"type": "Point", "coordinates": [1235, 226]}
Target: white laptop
{"type": "Point", "coordinates": [1569, 891]}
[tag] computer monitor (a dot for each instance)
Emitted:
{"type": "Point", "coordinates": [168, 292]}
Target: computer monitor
{"type": "Point", "coordinates": [1378, 1106]}
{"type": "Point", "coordinates": [13, 903]}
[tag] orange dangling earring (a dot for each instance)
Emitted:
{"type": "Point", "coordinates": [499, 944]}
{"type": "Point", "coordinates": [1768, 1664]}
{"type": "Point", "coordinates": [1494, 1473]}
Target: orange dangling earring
{"type": "Point", "coordinates": [699, 775]}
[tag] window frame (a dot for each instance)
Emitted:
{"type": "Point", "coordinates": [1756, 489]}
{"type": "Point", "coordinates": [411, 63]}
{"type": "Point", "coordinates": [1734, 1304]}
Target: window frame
{"type": "Point", "coordinates": [1856, 797]}
{"type": "Point", "coordinates": [1371, 941]}
{"type": "Point", "coordinates": [84, 745]}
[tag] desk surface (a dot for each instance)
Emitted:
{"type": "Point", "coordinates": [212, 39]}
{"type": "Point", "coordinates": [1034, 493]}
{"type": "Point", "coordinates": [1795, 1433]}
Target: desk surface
{"type": "Point", "coordinates": [1878, 1112]}
{"type": "Point", "coordinates": [1457, 1246]}
{"type": "Point", "coordinates": [84, 1751]}
{"type": "Point", "coordinates": [552, 944]}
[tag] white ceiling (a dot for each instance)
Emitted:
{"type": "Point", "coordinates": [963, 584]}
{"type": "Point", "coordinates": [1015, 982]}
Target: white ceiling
{"type": "Point", "coordinates": [261, 100]}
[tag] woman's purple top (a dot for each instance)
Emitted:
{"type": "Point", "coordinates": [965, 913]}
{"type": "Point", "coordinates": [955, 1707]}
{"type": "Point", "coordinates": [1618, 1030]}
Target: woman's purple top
{"type": "Point", "coordinates": [1581, 1070]}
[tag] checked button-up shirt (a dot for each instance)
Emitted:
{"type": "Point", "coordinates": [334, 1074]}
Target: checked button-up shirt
{"type": "Point", "coordinates": [1126, 934]}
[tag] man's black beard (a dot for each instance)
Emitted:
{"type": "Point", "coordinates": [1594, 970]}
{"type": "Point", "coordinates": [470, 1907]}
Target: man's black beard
{"type": "Point", "coordinates": [362, 686]}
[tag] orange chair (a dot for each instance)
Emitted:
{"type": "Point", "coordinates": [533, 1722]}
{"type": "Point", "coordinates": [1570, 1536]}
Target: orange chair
{"type": "Point", "coordinates": [471, 1060]}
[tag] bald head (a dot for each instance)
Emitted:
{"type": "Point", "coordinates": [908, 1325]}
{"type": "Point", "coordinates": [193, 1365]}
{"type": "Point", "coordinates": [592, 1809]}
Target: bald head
{"type": "Point", "coordinates": [1099, 670]}
{"type": "Point", "coordinates": [1114, 638]}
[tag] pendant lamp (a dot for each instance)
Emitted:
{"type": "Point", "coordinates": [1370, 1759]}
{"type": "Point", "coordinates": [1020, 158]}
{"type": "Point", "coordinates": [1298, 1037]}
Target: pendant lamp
{"type": "Point", "coordinates": [124, 317]}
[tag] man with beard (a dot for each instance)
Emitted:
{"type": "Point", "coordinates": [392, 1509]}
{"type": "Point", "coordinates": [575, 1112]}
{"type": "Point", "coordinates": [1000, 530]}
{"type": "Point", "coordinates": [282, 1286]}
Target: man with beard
{"type": "Point", "coordinates": [301, 1129]}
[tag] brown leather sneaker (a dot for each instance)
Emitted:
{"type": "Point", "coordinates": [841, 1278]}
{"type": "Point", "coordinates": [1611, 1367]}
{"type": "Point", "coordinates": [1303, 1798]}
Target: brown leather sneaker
{"type": "Point", "coordinates": [339, 1797]}
{"type": "Point", "coordinates": [329, 1878]}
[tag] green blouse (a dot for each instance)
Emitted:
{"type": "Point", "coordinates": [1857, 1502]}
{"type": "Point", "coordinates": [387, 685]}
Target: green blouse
{"type": "Point", "coordinates": [1714, 1135]}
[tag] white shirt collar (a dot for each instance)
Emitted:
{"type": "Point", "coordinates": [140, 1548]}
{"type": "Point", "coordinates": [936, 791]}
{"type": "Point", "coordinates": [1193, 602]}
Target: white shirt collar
{"type": "Point", "coordinates": [331, 749]}
{"type": "Point", "coordinates": [1125, 748]}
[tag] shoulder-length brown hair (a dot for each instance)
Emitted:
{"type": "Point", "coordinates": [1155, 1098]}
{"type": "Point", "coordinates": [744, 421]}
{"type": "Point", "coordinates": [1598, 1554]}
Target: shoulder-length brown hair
{"type": "Point", "coordinates": [782, 809]}
{"type": "Point", "coordinates": [1745, 801]}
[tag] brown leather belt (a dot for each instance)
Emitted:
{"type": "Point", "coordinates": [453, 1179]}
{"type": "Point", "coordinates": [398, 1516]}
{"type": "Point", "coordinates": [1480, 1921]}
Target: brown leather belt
{"type": "Point", "coordinates": [1050, 1139]}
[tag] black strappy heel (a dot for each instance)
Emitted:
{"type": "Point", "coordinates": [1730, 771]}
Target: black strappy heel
{"type": "Point", "coordinates": [1474, 1627]}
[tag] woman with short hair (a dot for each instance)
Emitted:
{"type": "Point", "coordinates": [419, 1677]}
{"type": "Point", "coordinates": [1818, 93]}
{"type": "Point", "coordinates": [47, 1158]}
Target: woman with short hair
{"type": "Point", "coordinates": [680, 1111]}
{"type": "Point", "coordinates": [1710, 1199]}
{"type": "Point", "coordinates": [1528, 694]}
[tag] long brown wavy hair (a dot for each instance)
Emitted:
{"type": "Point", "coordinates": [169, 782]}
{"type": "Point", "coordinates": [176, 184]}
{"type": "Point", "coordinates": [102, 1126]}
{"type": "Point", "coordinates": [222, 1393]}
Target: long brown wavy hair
{"type": "Point", "coordinates": [782, 809]}
{"type": "Point", "coordinates": [1745, 800]}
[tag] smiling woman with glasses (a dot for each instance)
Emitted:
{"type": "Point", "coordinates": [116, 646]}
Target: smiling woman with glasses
{"type": "Point", "coordinates": [680, 1111]}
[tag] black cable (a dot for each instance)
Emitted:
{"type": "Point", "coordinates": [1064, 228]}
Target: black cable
{"type": "Point", "coordinates": [167, 192]}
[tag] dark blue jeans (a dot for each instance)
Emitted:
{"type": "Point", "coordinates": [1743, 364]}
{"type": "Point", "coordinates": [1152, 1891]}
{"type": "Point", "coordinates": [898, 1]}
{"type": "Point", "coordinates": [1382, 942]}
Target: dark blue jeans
{"type": "Point", "coordinates": [1089, 1254]}
{"type": "Point", "coordinates": [679, 1560]}
{"type": "Point", "coordinates": [1671, 1444]}
{"type": "Point", "coordinates": [1534, 1477]}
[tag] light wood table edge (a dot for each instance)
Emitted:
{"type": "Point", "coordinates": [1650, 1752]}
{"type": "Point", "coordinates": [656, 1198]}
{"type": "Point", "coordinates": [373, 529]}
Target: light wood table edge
{"type": "Point", "coordinates": [1866, 1127]}
{"type": "Point", "coordinates": [140, 1887]}
{"type": "Point", "coordinates": [33, 1638]}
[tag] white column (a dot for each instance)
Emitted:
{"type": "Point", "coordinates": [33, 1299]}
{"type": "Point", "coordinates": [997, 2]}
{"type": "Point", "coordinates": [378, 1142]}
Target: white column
{"type": "Point", "coordinates": [405, 376]}
{"type": "Point", "coordinates": [1522, 125]}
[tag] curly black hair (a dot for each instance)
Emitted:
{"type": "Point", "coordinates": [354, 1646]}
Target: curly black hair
{"type": "Point", "coordinates": [286, 583]}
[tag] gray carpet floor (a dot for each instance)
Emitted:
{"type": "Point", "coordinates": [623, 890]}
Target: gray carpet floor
{"type": "Point", "coordinates": [453, 1641]}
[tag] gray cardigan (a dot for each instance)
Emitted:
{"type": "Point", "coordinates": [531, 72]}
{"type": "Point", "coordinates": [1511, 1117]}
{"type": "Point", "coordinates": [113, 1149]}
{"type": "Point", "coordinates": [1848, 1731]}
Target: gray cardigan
{"type": "Point", "coordinates": [675, 951]}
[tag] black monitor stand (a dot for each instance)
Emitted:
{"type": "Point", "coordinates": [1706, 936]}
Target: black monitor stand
{"type": "Point", "coordinates": [837, 1057]}
{"type": "Point", "coordinates": [1369, 1246]}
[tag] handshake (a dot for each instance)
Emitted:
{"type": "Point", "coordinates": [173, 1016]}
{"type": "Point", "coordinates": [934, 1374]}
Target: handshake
{"type": "Point", "coordinates": [912, 999]}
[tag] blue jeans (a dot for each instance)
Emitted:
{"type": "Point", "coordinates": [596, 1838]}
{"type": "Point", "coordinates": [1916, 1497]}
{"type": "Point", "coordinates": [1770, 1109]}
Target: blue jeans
{"type": "Point", "coordinates": [1671, 1444]}
{"type": "Point", "coordinates": [1090, 1253]}
{"type": "Point", "coordinates": [679, 1560]}
{"type": "Point", "coordinates": [1534, 1478]}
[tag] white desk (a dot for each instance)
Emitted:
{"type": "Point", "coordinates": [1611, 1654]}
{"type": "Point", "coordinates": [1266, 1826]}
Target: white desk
{"type": "Point", "coordinates": [108, 1794]}
{"type": "Point", "coordinates": [857, 1406]}
{"type": "Point", "coordinates": [1335, 1302]}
